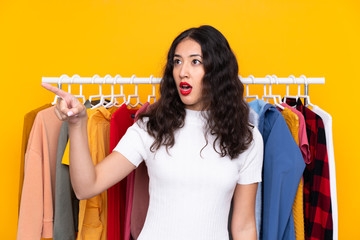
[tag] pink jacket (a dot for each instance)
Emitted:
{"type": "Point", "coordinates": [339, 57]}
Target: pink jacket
{"type": "Point", "coordinates": [37, 200]}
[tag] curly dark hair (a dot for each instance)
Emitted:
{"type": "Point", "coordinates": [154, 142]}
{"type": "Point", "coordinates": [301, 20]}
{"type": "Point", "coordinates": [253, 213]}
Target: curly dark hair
{"type": "Point", "coordinates": [222, 95]}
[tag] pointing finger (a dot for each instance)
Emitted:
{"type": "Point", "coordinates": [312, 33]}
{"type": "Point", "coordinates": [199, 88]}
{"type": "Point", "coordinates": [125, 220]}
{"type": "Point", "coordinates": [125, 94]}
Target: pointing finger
{"type": "Point", "coordinates": [55, 90]}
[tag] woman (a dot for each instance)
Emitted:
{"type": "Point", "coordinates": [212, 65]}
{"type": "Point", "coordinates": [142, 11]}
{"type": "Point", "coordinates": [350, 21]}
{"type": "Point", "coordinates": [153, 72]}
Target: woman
{"type": "Point", "coordinates": [198, 146]}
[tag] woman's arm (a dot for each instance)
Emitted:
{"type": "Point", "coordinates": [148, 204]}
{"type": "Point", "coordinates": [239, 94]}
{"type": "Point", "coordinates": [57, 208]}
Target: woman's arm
{"type": "Point", "coordinates": [243, 220]}
{"type": "Point", "coordinates": [87, 180]}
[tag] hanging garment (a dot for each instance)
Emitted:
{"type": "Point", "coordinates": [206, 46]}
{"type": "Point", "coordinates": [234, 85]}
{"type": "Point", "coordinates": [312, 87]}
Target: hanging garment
{"type": "Point", "coordinates": [29, 119]}
{"type": "Point", "coordinates": [327, 119]}
{"type": "Point", "coordinates": [292, 121]}
{"type": "Point", "coordinates": [282, 171]}
{"type": "Point", "coordinates": [120, 121]}
{"type": "Point", "coordinates": [317, 200]}
{"type": "Point", "coordinates": [254, 119]}
{"type": "Point", "coordinates": [304, 147]}
{"type": "Point", "coordinates": [93, 211]}
{"type": "Point", "coordinates": [190, 202]}
{"type": "Point", "coordinates": [36, 207]}
{"type": "Point", "coordinates": [66, 211]}
{"type": "Point", "coordinates": [130, 182]}
{"type": "Point", "coordinates": [303, 140]}
{"type": "Point", "coordinates": [64, 224]}
{"type": "Point", "coordinates": [140, 200]}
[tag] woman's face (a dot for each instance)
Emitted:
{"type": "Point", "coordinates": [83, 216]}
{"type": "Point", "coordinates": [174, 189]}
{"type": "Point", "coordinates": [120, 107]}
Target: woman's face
{"type": "Point", "coordinates": [188, 73]}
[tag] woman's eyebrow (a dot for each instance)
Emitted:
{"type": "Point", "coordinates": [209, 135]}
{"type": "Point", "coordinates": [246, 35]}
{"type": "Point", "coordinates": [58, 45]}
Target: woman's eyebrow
{"type": "Point", "coordinates": [192, 55]}
{"type": "Point", "coordinates": [195, 55]}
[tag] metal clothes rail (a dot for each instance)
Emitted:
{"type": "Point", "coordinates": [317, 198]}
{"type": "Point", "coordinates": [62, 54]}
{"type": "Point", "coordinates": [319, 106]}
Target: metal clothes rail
{"type": "Point", "coordinates": [268, 80]}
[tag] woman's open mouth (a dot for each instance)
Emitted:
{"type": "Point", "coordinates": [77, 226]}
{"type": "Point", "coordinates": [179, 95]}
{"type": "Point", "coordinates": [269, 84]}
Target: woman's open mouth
{"type": "Point", "coordinates": [185, 88]}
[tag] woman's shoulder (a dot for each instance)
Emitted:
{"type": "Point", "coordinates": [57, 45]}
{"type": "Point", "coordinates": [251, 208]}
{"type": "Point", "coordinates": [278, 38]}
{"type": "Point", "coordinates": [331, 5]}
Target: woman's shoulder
{"type": "Point", "coordinates": [139, 131]}
{"type": "Point", "coordinates": [141, 124]}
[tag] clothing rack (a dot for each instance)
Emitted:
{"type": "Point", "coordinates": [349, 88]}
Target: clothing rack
{"type": "Point", "coordinates": [250, 80]}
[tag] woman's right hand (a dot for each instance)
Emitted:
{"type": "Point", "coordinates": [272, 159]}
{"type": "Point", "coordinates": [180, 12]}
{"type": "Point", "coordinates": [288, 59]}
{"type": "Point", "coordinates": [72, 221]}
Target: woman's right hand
{"type": "Point", "coordinates": [69, 108]}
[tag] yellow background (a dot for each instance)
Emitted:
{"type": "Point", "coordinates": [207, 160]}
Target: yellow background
{"type": "Point", "coordinates": [50, 38]}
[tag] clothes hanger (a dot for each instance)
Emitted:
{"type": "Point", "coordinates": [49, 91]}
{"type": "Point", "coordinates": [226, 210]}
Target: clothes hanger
{"type": "Point", "coordinates": [103, 97]}
{"type": "Point", "coordinates": [96, 96]}
{"type": "Point", "coordinates": [153, 92]}
{"type": "Point", "coordinates": [277, 82]}
{"type": "Point", "coordinates": [80, 96]}
{"type": "Point", "coordinates": [271, 96]}
{"type": "Point", "coordinates": [136, 96]}
{"type": "Point", "coordinates": [121, 95]}
{"type": "Point", "coordinates": [247, 89]}
{"type": "Point", "coordinates": [287, 90]}
{"type": "Point", "coordinates": [306, 97]}
{"type": "Point", "coordinates": [59, 85]}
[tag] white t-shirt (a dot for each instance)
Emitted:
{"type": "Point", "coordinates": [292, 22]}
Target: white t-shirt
{"type": "Point", "coordinates": [190, 190]}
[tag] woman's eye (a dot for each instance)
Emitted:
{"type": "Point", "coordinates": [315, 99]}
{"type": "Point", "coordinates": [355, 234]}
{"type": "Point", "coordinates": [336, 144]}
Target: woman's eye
{"type": "Point", "coordinates": [177, 61]}
{"type": "Point", "coordinates": [196, 61]}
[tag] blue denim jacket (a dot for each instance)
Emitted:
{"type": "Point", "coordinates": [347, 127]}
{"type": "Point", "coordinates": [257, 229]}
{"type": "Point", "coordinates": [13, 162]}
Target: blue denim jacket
{"type": "Point", "coordinates": [282, 170]}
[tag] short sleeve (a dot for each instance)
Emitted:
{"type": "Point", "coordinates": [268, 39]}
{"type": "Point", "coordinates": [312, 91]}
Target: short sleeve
{"type": "Point", "coordinates": [133, 144]}
{"type": "Point", "coordinates": [252, 160]}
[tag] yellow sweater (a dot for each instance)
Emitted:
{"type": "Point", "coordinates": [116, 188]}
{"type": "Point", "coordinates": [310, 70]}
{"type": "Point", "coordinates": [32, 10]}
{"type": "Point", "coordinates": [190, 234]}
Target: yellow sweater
{"type": "Point", "coordinates": [292, 120]}
{"type": "Point", "coordinates": [93, 211]}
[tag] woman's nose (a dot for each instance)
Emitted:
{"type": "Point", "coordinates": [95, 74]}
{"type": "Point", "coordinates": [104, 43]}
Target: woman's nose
{"type": "Point", "coordinates": [184, 71]}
